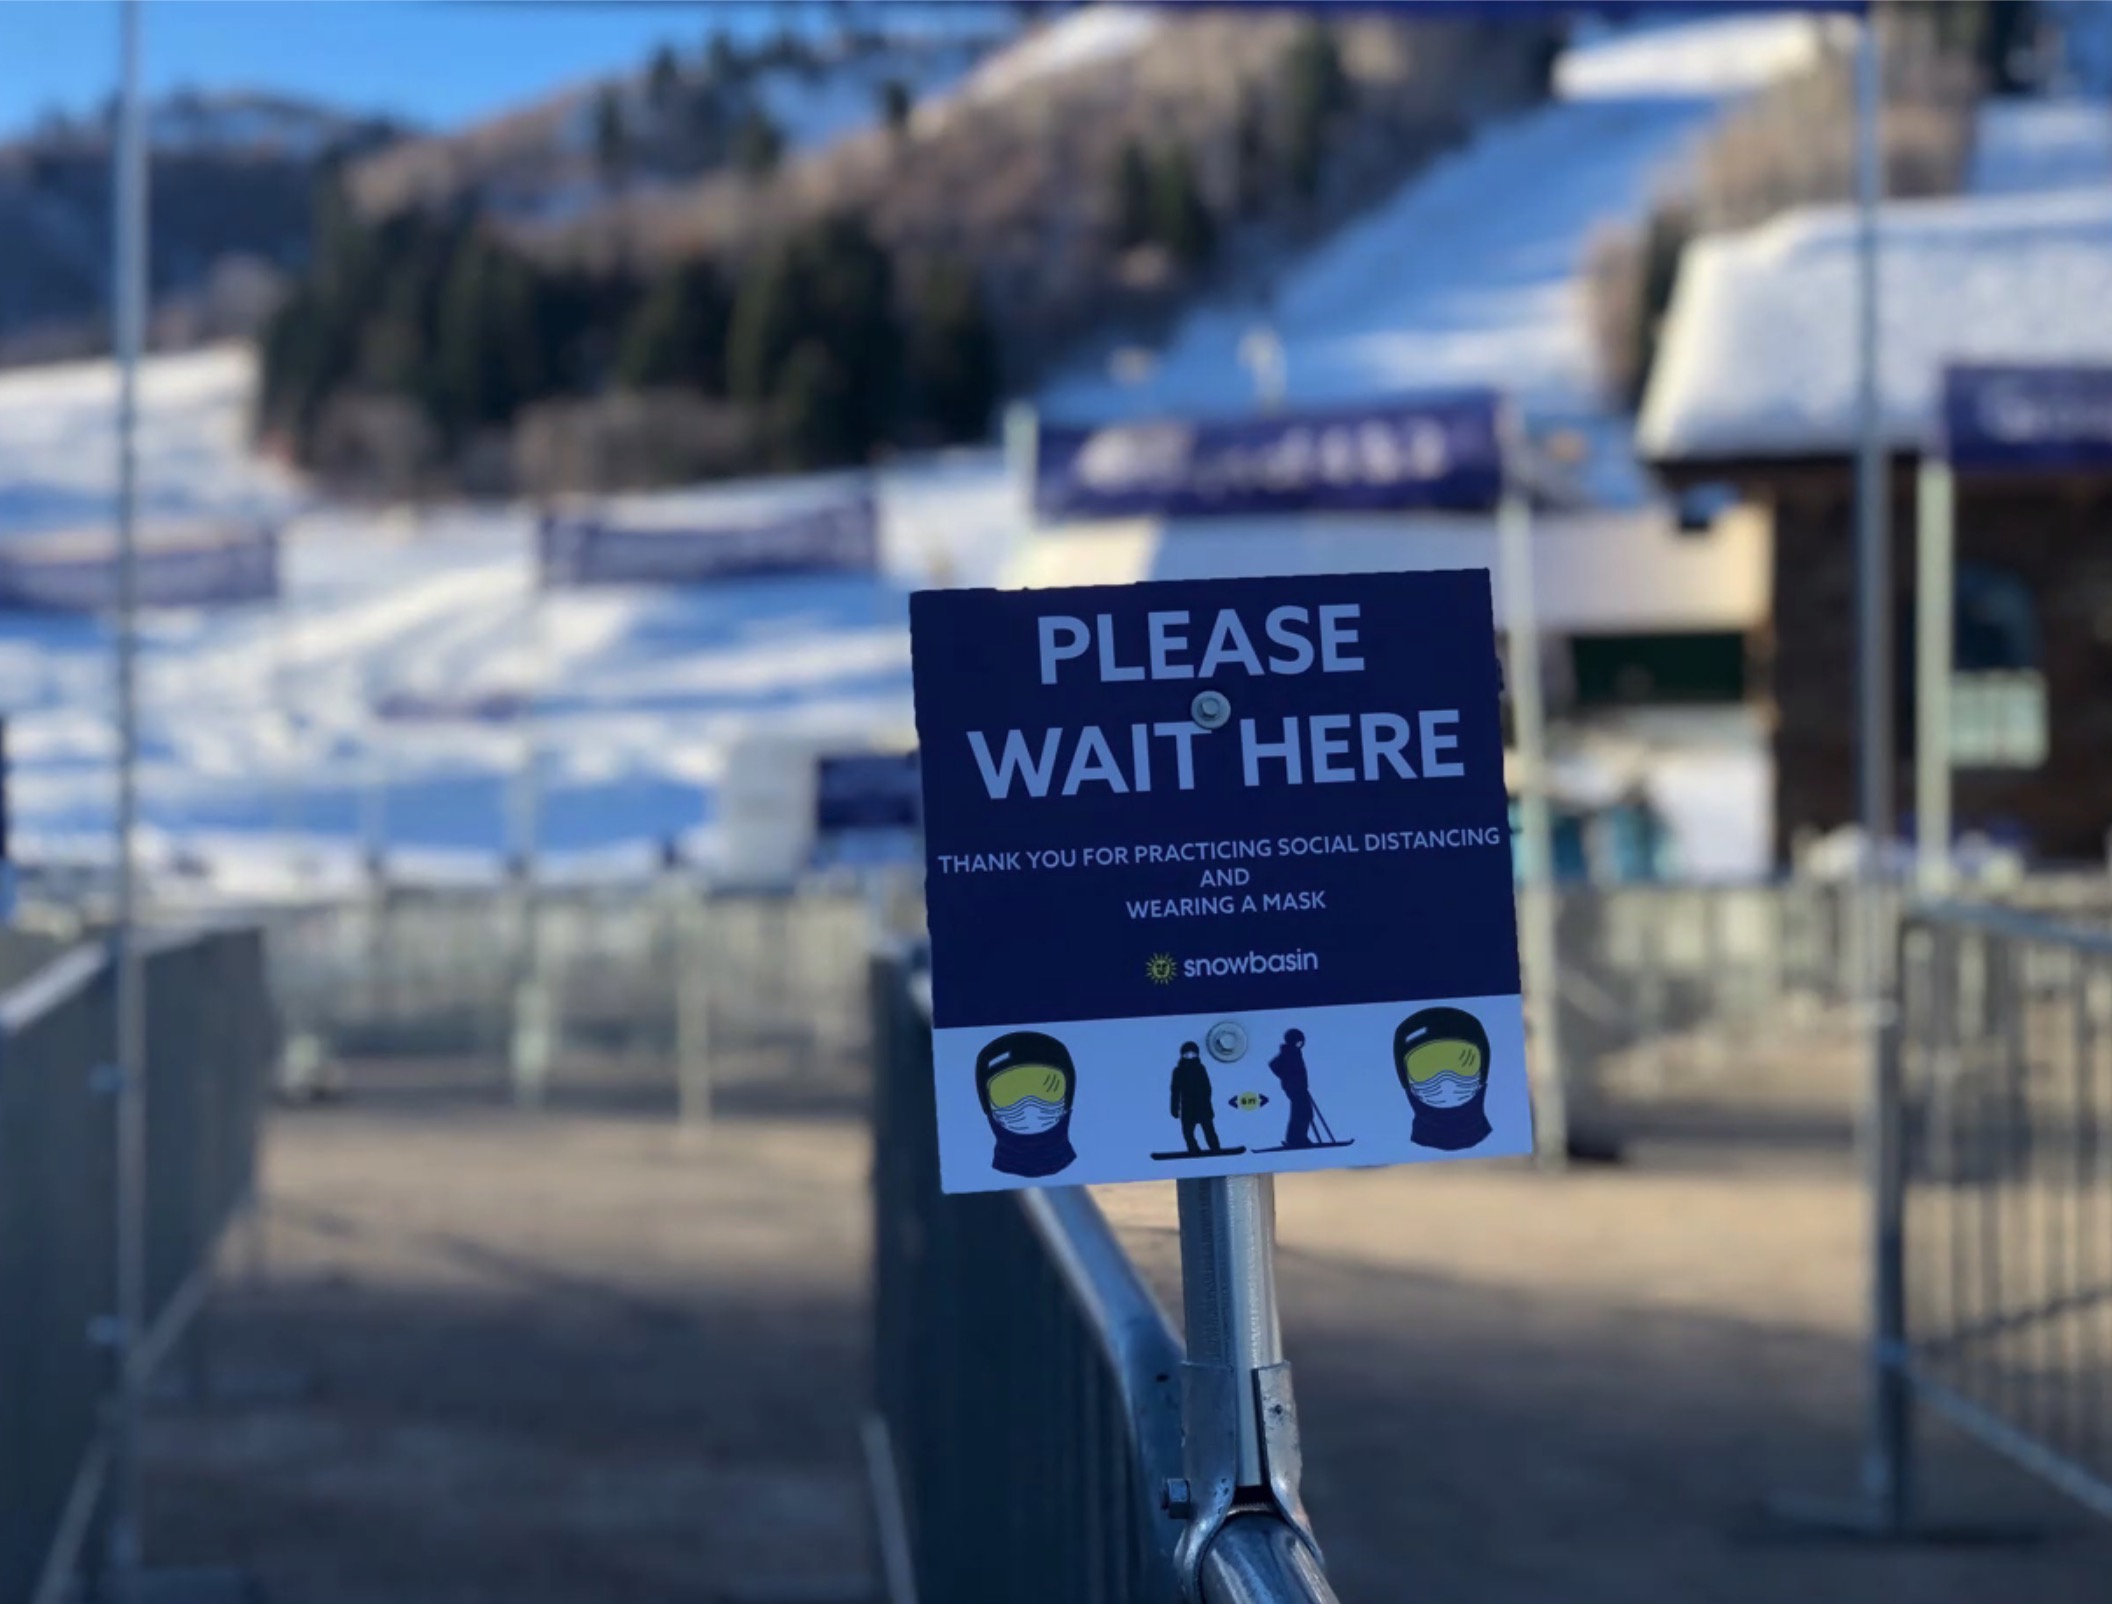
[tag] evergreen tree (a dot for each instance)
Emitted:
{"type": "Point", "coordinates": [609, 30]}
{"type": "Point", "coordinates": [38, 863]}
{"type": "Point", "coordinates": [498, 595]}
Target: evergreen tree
{"type": "Point", "coordinates": [663, 81]}
{"type": "Point", "coordinates": [759, 145]}
{"type": "Point", "coordinates": [1181, 221]}
{"type": "Point", "coordinates": [953, 363]}
{"type": "Point", "coordinates": [1316, 92]}
{"type": "Point", "coordinates": [831, 285]}
{"type": "Point", "coordinates": [677, 335]}
{"type": "Point", "coordinates": [612, 139]}
{"type": "Point", "coordinates": [815, 409]}
{"type": "Point", "coordinates": [1250, 159]}
{"type": "Point", "coordinates": [1133, 197]}
{"type": "Point", "coordinates": [896, 105]}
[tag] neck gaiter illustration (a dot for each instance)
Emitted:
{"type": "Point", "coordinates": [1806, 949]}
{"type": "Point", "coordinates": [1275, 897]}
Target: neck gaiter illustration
{"type": "Point", "coordinates": [1026, 1082]}
{"type": "Point", "coordinates": [1442, 1057]}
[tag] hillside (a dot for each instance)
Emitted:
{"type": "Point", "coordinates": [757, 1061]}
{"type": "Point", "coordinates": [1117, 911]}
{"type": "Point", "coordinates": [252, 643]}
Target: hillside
{"type": "Point", "coordinates": [722, 267]}
{"type": "Point", "coordinates": [230, 192]}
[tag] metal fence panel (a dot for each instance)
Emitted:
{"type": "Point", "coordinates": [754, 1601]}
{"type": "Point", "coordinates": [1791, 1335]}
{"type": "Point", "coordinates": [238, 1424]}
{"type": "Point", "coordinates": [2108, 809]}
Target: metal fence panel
{"type": "Point", "coordinates": [1029, 1384]}
{"type": "Point", "coordinates": [2002, 1115]}
{"type": "Point", "coordinates": [210, 1041]}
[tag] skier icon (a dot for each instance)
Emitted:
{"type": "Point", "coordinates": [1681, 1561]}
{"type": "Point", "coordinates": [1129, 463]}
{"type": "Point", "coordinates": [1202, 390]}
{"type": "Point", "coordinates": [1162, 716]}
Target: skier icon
{"type": "Point", "coordinates": [1288, 1066]}
{"type": "Point", "coordinates": [1188, 1100]}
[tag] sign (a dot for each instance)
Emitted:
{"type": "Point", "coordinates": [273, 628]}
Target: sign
{"type": "Point", "coordinates": [77, 572]}
{"type": "Point", "coordinates": [2032, 419]}
{"type": "Point", "coordinates": [1194, 845]}
{"type": "Point", "coordinates": [1435, 452]}
{"type": "Point", "coordinates": [868, 807]}
{"type": "Point", "coordinates": [420, 707]}
{"type": "Point", "coordinates": [842, 537]}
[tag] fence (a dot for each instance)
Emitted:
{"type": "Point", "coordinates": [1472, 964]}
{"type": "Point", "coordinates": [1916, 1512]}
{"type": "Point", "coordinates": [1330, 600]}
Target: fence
{"type": "Point", "coordinates": [1993, 1173]}
{"type": "Point", "coordinates": [210, 1040]}
{"type": "Point", "coordinates": [1029, 1443]}
{"type": "Point", "coordinates": [721, 985]}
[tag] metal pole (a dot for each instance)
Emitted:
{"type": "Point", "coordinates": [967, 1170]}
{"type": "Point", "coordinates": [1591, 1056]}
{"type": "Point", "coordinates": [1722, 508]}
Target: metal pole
{"type": "Point", "coordinates": [534, 1020]}
{"type": "Point", "coordinates": [1228, 1290]}
{"type": "Point", "coordinates": [1934, 591]}
{"type": "Point", "coordinates": [129, 295]}
{"type": "Point", "coordinates": [1521, 637]}
{"type": "Point", "coordinates": [1884, 1469]}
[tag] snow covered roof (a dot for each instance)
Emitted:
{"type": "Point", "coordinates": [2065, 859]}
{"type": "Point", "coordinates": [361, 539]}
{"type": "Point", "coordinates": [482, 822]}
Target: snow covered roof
{"type": "Point", "coordinates": [1758, 357]}
{"type": "Point", "coordinates": [1598, 573]}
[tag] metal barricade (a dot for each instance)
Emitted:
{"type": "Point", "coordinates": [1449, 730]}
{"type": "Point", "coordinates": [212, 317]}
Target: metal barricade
{"type": "Point", "coordinates": [1992, 1174]}
{"type": "Point", "coordinates": [211, 1040]}
{"type": "Point", "coordinates": [765, 984]}
{"type": "Point", "coordinates": [1028, 1442]}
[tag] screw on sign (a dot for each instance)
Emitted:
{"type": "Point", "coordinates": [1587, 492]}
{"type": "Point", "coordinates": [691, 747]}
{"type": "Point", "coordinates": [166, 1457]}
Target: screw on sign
{"type": "Point", "coordinates": [1294, 855]}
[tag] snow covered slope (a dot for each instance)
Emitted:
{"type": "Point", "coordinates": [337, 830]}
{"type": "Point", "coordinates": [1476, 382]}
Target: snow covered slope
{"type": "Point", "coordinates": [258, 722]}
{"type": "Point", "coordinates": [259, 728]}
{"type": "Point", "coordinates": [1470, 274]}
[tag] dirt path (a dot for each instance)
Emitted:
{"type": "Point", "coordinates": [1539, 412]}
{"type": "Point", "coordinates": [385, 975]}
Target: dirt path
{"type": "Point", "coordinates": [1521, 1388]}
{"type": "Point", "coordinates": [552, 1357]}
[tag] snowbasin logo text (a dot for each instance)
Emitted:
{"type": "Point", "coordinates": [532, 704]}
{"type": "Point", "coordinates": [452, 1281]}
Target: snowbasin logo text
{"type": "Point", "coordinates": [1253, 963]}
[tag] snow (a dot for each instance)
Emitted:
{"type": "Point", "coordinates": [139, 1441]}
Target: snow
{"type": "Point", "coordinates": [1704, 57]}
{"type": "Point", "coordinates": [263, 763]}
{"type": "Point", "coordinates": [58, 443]}
{"type": "Point", "coordinates": [1090, 36]}
{"type": "Point", "coordinates": [1470, 274]}
{"type": "Point", "coordinates": [259, 746]}
{"type": "Point", "coordinates": [1606, 572]}
{"type": "Point", "coordinates": [1759, 351]}
{"type": "Point", "coordinates": [2024, 147]}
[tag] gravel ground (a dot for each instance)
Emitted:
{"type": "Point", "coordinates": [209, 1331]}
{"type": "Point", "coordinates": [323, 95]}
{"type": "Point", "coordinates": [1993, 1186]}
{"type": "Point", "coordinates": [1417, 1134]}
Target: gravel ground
{"type": "Point", "coordinates": [575, 1356]}
{"type": "Point", "coordinates": [568, 1355]}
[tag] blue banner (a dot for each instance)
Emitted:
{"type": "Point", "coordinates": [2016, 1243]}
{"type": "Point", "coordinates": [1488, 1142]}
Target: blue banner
{"type": "Point", "coordinates": [1252, 833]}
{"type": "Point", "coordinates": [1435, 452]}
{"type": "Point", "coordinates": [2042, 419]}
{"type": "Point", "coordinates": [867, 791]}
{"type": "Point", "coordinates": [78, 573]}
{"type": "Point", "coordinates": [842, 537]}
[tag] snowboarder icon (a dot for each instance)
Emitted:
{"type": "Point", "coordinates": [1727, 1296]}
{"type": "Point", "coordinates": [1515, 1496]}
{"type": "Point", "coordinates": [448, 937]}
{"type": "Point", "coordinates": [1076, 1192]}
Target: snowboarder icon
{"type": "Point", "coordinates": [1190, 1100]}
{"type": "Point", "coordinates": [1288, 1066]}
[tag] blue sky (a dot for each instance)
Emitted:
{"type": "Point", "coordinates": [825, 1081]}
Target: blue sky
{"type": "Point", "coordinates": [436, 61]}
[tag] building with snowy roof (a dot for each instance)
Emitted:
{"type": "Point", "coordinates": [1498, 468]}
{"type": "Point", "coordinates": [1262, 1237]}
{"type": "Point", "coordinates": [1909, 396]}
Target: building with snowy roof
{"type": "Point", "coordinates": [1756, 387]}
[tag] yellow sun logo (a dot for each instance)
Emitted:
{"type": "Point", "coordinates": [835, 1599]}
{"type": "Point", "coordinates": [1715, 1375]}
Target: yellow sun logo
{"type": "Point", "coordinates": [1159, 967]}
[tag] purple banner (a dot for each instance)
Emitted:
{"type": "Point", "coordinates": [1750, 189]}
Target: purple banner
{"type": "Point", "coordinates": [79, 573]}
{"type": "Point", "coordinates": [843, 537]}
{"type": "Point", "coordinates": [2042, 419]}
{"type": "Point", "coordinates": [1435, 452]}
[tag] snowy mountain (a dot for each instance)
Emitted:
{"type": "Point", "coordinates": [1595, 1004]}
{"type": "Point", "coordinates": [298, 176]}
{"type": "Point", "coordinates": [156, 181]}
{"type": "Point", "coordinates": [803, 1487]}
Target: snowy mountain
{"type": "Point", "coordinates": [260, 722]}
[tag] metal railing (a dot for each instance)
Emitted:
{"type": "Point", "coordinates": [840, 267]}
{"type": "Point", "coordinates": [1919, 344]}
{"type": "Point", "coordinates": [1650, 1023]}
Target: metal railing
{"type": "Point", "coordinates": [1992, 1170]}
{"type": "Point", "coordinates": [1039, 1433]}
{"type": "Point", "coordinates": [211, 1041]}
{"type": "Point", "coordinates": [715, 983]}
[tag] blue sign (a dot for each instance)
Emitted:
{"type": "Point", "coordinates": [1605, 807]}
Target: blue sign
{"type": "Point", "coordinates": [1188, 841]}
{"type": "Point", "coordinates": [867, 791]}
{"type": "Point", "coordinates": [1435, 452]}
{"type": "Point", "coordinates": [2029, 419]}
{"type": "Point", "coordinates": [868, 807]}
{"type": "Point", "coordinates": [76, 575]}
{"type": "Point", "coordinates": [842, 537]}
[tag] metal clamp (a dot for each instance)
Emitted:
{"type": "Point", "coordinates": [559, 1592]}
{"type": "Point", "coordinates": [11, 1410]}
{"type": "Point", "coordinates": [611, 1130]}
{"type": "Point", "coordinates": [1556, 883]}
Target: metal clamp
{"type": "Point", "coordinates": [1210, 1494]}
